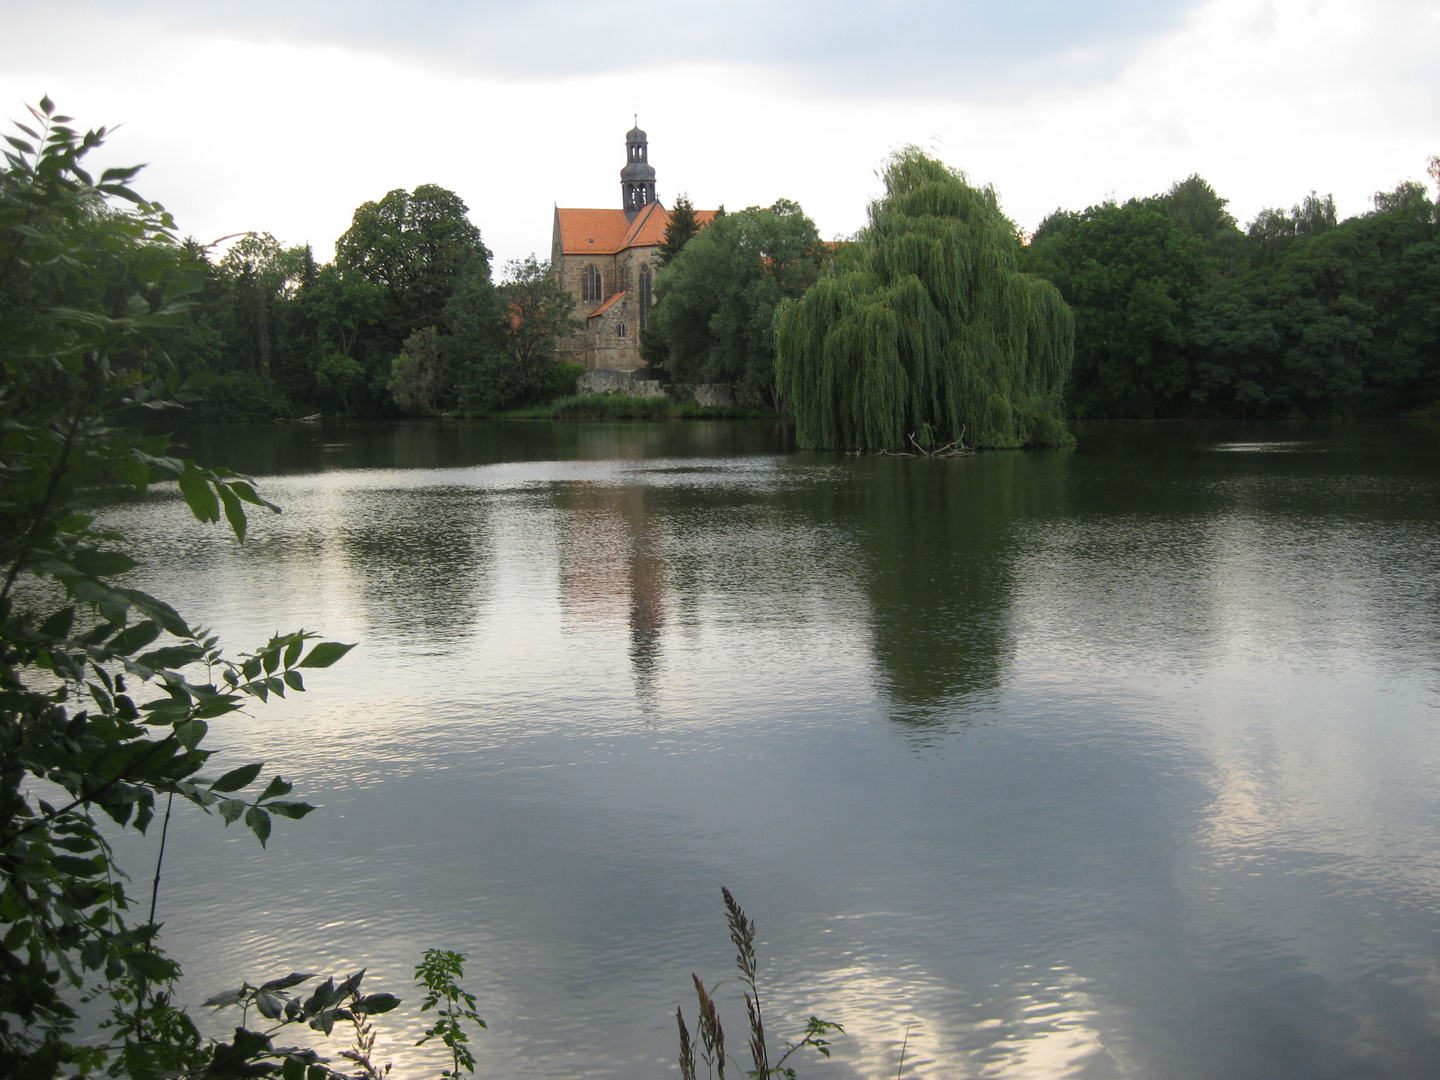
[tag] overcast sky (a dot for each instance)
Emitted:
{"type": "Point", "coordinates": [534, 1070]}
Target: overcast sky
{"type": "Point", "coordinates": [284, 115]}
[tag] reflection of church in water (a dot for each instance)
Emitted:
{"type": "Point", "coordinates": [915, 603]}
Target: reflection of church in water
{"type": "Point", "coordinates": [612, 572]}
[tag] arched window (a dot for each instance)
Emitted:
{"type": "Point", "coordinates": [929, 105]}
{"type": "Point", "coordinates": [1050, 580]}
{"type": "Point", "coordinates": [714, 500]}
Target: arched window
{"type": "Point", "coordinates": [645, 300]}
{"type": "Point", "coordinates": [620, 329]}
{"type": "Point", "coordinates": [590, 285]}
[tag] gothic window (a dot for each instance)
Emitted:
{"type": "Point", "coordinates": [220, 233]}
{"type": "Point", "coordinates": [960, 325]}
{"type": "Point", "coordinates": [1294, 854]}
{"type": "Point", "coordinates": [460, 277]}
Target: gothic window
{"type": "Point", "coordinates": [590, 285]}
{"type": "Point", "coordinates": [620, 329]}
{"type": "Point", "coordinates": [645, 300]}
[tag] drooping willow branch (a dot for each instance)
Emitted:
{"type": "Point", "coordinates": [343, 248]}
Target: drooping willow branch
{"type": "Point", "coordinates": [926, 327]}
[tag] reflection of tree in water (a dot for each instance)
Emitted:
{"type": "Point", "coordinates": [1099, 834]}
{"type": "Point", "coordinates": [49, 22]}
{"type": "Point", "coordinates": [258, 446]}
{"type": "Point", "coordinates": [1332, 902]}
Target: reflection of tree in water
{"type": "Point", "coordinates": [612, 572]}
{"type": "Point", "coordinates": [938, 535]}
{"type": "Point", "coordinates": [418, 554]}
{"type": "Point", "coordinates": [647, 617]}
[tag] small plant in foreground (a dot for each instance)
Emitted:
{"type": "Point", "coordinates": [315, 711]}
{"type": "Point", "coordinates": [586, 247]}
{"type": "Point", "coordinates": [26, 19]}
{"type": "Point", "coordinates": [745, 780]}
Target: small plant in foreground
{"type": "Point", "coordinates": [438, 973]}
{"type": "Point", "coordinates": [712, 1035]}
{"type": "Point", "coordinates": [253, 1053]}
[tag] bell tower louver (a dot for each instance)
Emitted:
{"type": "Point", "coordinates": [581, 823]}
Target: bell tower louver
{"type": "Point", "coordinates": [637, 178]}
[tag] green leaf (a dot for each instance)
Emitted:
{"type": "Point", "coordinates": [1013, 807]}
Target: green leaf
{"type": "Point", "coordinates": [293, 810]}
{"type": "Point", "coordinates": [151, 967]}
{"type": "Point", "coordinates": [172, 656]}
{"type": "Point", "coordinates": [292, 653]}
{"type": "Point", "coordinates": [134, 638]}
{"type": "Point", "coordinates": [58, 625]}
{"type": "Point", "coordinates": [374, 1004]}
{"type": "Point", "coordinates": [201, 497]}
{"type": "Point", "coordinates": [236, 779]}
{"type": "Point", "coordinates": [234, 512]}
{"type": "Point", "coordinates": [295, 978]}
{"type": "Point", "coordinates": [259, 822]}
{"type": "Point", "coordinates": [325, 654]}
{"type": "Point", "coordinates": [323, 997]}
{"type": "Point", "coordinates": [276, 788]}
{"type": "Point", "coordinates": [294, 681]}
{"type": "Point", "coordinates": [18, 934]}
{"type": "Point", "coordinates": [101, 563]}
{"type": "Point", "coordinates": [248, 493]}
{"type": "Point", "coordinates": [77, 866]}
{"type": "Point", "coordinates": [158, 610]}
{"type": "Point", "coordinates": [231, 809]}
{"type": "Point", "coordinates": [190, 733]}
{"type": "Point", "coordinates": [75, 523]}
{"type": "Point", "coordinates": [135, 472]}
{"type": "Point", "coordinates": [217, 705]}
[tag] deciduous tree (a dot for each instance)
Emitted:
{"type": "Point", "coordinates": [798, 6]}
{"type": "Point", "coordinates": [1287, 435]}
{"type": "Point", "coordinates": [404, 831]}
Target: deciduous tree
{"type": "Point", "coordinates": [927, 333]}
{"type": "Point", "coordinates": [716, 301]}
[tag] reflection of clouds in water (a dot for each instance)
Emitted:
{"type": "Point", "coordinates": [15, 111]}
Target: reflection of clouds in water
{"type": "Point", "coordinates": [876, 1009]}
{"type": "Point", "coordinates": [1050, 1033]}
{"type": "Point", "coordinates": [1043, 1027]}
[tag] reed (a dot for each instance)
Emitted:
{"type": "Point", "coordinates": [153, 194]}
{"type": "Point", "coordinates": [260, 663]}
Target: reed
{"type": "Point", "coordinates": [712, 1035]}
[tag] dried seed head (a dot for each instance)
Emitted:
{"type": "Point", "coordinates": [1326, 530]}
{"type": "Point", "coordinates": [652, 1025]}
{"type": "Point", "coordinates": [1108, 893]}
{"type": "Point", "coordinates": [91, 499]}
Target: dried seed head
{"type": "Point", "coordinates": [712, 1036]}
{"type": "Point", "coordinates": [687, 1052]}
{"type": "Point", "coordinates": [742, 933]}
{"type": "Point", "coordinates": [758, 1053]}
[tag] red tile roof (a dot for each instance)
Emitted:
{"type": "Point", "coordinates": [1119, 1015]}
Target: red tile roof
{"type": "Point", "coordinates": [605, 232]}
{"type": "Point", "coordinates": [607, 304]}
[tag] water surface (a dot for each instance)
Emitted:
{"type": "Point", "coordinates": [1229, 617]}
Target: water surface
{"type": "Point", "coordinates": [1118, 762]}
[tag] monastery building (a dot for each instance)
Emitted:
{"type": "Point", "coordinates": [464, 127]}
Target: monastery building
{"type": "Point", "coordinates": [607, 259]}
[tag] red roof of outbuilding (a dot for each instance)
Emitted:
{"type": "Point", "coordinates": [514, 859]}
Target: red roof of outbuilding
{"type": "Point", "coordinates": [606, 305]}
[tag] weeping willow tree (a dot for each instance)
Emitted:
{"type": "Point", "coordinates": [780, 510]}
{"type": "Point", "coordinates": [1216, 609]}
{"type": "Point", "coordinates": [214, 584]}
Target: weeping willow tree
{"type": "Point", "coordinates": [925, 330]}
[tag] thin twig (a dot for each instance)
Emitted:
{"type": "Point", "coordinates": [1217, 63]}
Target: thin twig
{"type": "Point", "coordinates": [160, 859]}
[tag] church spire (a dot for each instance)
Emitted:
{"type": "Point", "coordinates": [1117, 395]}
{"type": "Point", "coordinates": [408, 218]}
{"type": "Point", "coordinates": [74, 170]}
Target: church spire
{"type": "Point", "coordinates": [637, 179]}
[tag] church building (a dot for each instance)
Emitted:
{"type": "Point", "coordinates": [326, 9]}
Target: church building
{"type": "Point", "coordinates": [607, 259]}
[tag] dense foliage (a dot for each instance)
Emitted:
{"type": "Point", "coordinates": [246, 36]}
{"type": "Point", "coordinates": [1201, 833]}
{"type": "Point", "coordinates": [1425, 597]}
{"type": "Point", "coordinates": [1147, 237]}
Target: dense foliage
{"type": "Point", "coordinates": [1179, 312]}
{"type": "Point", "coordinates": [107, 694]}
{"type": "Point", "coordinates": [406, 320]}
{"type": "Point", "coordinates": [715, 301]}
{"type": "Point", "coordinates": [535, 312]}
{"type": "Point", "coordinates": [924, 332]}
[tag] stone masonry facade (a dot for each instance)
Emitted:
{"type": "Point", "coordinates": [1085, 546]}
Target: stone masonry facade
{"type": "Point", "coordinates": [607, 259]}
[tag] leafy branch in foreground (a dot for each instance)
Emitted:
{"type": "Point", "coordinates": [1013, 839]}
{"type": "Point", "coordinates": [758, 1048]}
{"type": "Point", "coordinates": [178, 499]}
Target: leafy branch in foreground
{"type": "Point", "coordinates": [439, 971]}
{"type": "Point", "coordinates": [106, 692]}
{"type": "Point", "coordinates": [253, 1053]}
{"type": "Point", "coordinates": [712, 1034]}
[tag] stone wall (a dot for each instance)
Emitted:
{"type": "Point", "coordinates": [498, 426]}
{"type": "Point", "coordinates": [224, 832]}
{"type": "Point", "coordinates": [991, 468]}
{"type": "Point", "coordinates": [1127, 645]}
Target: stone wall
{"type": "Point", "coordinates": [624, 383]}
{"type": "Point", "coordinates": [714, 395]}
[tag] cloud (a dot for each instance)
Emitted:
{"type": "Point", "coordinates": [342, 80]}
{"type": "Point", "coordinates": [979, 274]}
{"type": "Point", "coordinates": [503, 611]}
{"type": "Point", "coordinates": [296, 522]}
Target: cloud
{"type": "Point", "coordinates": [864, 45]}
{"type": "Point", "coordinates": [1266, 99]}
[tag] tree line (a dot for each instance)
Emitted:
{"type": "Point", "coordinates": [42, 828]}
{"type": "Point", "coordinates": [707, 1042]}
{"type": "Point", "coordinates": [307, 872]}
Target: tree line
{"type": "Point", "coordinates": [1179, 312]}
{"type": "Point", "coordinates": [406, 319]}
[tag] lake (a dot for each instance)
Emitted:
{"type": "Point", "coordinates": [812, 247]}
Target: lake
{"type": "Point", "coordinates": [1113, 762]}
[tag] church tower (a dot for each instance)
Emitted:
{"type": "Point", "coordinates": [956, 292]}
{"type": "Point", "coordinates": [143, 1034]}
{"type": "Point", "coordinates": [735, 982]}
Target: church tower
{"type": "Point", "coordinates": [637, 179]}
